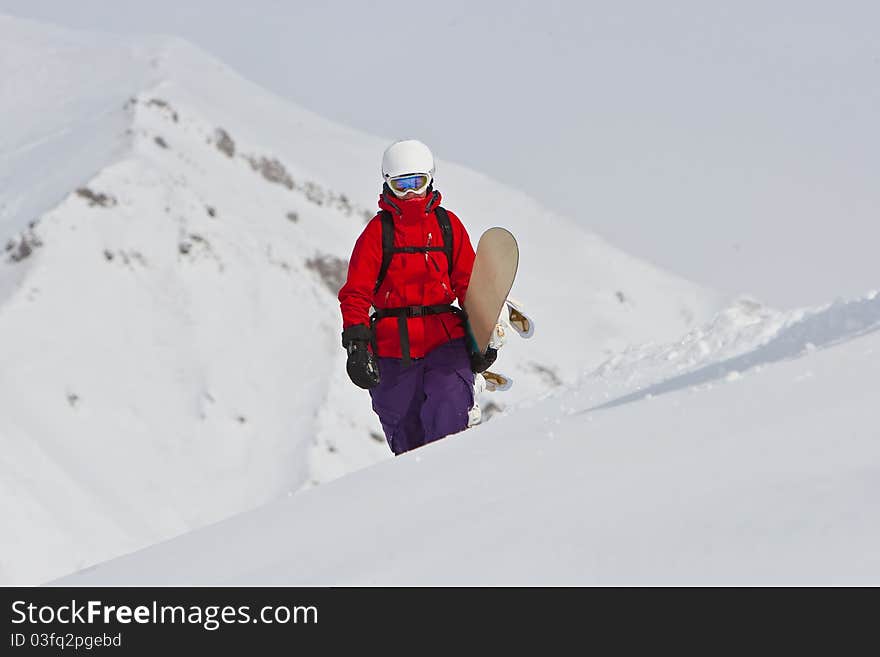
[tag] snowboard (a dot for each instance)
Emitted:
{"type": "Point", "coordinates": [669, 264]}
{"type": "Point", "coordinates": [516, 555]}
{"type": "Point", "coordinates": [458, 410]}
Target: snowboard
{"type": "Point", "coordinates": [492, 276]}
{"type": "Point", "coordinates": [518, 320]}
{"type": "Point", "coordinates": [496, 381]}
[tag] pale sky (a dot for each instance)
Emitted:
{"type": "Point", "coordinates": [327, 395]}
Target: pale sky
{"type": "Point", "coordinates": [734, 143]}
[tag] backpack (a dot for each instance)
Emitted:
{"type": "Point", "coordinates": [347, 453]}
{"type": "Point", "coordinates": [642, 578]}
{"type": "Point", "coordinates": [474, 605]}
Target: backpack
{"type": "Point", "coordinates": [388, 248]}
{"type": "Point", "coordinates": [388, 251]}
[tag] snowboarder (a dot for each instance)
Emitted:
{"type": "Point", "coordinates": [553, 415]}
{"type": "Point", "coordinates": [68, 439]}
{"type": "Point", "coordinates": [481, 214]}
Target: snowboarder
{"type": "Point", "coordinates": [413, 259]}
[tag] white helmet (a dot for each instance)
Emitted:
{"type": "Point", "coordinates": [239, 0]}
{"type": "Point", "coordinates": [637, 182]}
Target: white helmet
{"type": "Point", "coordinates": [408, 156]}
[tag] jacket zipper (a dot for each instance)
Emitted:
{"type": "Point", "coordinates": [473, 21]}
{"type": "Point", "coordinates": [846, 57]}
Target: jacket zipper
{"type": "Point", "coordinates": [427, 253]}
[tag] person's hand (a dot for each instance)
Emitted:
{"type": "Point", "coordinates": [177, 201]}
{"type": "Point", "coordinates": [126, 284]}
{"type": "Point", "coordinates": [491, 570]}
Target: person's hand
{"type": "Point", "coordinates": [362, 368]}
{"type": "Point", "coordinates": [482, 362]}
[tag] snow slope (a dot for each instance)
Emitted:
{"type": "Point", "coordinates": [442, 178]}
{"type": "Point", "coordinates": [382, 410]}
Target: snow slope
{"type": "Point", "coordinates": [753, 458]}
{"type": "Point", "coordinates": [169, 333]}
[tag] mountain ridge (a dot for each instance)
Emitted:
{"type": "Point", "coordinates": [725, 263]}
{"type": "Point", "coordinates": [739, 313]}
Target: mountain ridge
{"type": "Point", "coordinates": [169, 331]}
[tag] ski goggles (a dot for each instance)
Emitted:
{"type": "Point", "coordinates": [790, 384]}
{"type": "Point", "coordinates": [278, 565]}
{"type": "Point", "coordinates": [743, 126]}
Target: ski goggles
{"type": "Point", "coordinates": [411, 182]}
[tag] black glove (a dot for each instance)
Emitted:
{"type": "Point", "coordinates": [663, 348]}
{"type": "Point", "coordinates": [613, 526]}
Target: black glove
{"type": "Point", "coordinates": [482, 362]}
{"type": "Point", "coordinates": [362, 368]}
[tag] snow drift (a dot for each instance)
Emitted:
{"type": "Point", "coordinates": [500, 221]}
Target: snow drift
{"type": "Point", "coordinates": [762, 468]}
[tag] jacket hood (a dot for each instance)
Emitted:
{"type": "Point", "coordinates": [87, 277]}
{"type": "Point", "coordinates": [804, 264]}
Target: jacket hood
{"type": "Point", "coordinates": [413, 208]}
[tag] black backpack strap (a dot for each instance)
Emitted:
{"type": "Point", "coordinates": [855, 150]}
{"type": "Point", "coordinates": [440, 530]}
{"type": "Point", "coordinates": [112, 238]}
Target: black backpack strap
{"type": "Point", "coordinates": [387, 246]}
{"type": "Point", "coordinates": [405, 312]}
{"type": "Point", "coordinates": [388, 251]}
{"type": "Point", "coordinates": [446, 230]}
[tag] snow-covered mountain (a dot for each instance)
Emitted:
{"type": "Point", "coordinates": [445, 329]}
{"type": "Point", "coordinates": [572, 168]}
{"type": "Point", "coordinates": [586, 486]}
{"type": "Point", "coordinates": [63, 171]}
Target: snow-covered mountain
{"type": "Point", "coordinates": [745, 453]}
{"type": "Point", "coordinates": [169, 332]}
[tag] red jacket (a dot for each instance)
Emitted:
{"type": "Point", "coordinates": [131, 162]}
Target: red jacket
{"type": "Point", "coordinates": [412, 279]}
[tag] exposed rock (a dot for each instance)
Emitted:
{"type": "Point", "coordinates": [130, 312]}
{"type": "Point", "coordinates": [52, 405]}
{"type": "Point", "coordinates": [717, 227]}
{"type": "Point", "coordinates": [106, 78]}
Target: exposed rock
{"type": "Point", "coordinates": [272, 170]}
{"type": "Point", "coordinates": [551, 378]}
{"type": "Point", "coordinates": [96, 198]}
{"type": "Point", "coordinates": [24, 245]}
{"type": "Point", "coordinates": [332, 270]}
{"type": "Point", "coordinates": [163, 104]}
{"type": "Point", "coordinates": [224, 142]}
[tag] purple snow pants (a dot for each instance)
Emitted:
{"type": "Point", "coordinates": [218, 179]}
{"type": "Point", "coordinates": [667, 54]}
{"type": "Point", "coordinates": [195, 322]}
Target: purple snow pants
{"type": "Point", "coordinates": [426, 401]}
